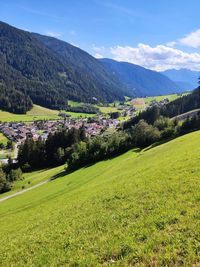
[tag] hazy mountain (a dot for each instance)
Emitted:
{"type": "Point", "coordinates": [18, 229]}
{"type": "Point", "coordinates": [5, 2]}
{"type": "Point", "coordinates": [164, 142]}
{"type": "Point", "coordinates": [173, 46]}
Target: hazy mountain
{"type": "Point", "coordinates": [141, 81]}
{"type": "Point", "coordinates": [51, 71]}
{"type": "Point", "coordinates": [185, 78]}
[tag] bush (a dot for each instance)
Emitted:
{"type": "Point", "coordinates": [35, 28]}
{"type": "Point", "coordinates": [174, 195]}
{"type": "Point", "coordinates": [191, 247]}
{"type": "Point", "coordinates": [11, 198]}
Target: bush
{"type": "Point", "coordinates": [15, 175]}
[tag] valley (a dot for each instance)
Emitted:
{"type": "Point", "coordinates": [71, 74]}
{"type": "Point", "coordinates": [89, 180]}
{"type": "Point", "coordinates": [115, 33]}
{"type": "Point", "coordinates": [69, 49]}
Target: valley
{"type": "Point", "coordinates": [99, 134]}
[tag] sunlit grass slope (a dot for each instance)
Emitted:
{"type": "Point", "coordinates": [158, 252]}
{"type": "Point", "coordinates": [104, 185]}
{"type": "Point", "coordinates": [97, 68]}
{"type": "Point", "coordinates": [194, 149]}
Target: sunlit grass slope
{"type": "Point", "coordinates": [138, 209]}
{"type": "Point", "coordinates": [3, 139]}
{"type": "Point", "coordinates": [36, 113]}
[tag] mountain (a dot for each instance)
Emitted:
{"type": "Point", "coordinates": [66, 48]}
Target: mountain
{"type": "Point", "coordinates": [185, 78]}
{"type": "Point", "coordinates": [140, 81]}
{"type": "Point", "coordinates": [48, 72]}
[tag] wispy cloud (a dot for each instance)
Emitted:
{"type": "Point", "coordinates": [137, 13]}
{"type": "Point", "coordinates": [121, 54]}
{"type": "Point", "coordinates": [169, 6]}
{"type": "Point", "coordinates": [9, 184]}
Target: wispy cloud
{"type": "Point", "coordinates": [99, 51]}
{"type": "Point", "coordinates": [53, 34]}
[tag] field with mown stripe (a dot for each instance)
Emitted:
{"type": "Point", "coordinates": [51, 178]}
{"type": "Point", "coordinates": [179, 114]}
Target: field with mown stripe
{"type": "Point", "coordinates": [138, 209]}
{"type": "Point", "coordinates": [37, 113]}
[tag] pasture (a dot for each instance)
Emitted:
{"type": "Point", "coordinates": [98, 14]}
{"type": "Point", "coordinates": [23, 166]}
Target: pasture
{"type": "Point", "coordinates": [138, 209]}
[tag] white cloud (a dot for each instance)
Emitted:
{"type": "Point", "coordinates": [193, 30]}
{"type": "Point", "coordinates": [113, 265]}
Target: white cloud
{"type": "Point", "coordinates": [97, 55]}
{"type": "Point", "coordinates": [99, 51]}
{"type": "Point", "coordinates": [53, 34]}
{"type": "Point", "coordinates": [160, 57]}
{"type": "Point", "coordinates": [98, 48]}
{"type": "Point", "coordinates": [76, 45]}
{"type": "Point", "coordinates": [192, 39]}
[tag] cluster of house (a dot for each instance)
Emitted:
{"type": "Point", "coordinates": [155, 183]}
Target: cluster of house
{"type": "Point", "coordinates": [20, 131]}
{"type": "Point", "coordinates": [160, 103]}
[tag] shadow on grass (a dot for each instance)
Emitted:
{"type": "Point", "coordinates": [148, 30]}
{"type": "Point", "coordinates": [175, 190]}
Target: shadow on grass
{"type": "Point", "coordinates": [59, 175]}
{"type": "Point", "coordinates": [134, 150]}
{"type": "Point", "coordinates": [157, 144]}
{"type": "Point", "coordinates": [68, 171]}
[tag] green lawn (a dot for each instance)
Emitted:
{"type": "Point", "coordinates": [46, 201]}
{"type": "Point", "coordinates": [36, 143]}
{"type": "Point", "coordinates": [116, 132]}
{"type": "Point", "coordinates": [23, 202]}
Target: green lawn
{"type": "Point", "coordinates": [138, 209]}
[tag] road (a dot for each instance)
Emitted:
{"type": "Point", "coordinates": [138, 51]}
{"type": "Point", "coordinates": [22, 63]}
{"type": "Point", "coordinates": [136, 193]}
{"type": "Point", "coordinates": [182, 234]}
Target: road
{"type": "Point", "coordinates": [23, 191]}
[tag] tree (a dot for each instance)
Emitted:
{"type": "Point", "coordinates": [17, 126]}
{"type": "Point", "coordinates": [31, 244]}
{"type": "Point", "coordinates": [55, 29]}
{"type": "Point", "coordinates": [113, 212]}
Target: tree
{"type": "Point", "coordinates": [4, 184]}
{"type": "Point", "coordinates": [144, 134]}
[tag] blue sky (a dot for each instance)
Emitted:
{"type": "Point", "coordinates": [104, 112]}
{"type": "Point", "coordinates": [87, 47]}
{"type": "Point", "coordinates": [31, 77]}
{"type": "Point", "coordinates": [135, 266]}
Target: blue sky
{"type": "Point", "coordinates": [158, 34]}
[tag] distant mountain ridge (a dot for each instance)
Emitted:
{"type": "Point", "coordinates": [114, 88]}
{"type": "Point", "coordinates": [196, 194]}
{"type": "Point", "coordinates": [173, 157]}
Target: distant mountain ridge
{"type": "Point", "coordinates": [48, 72]}
{"type": "Point", "coordinates": [42, 74]}
{"type": "Point", "coordinates": [185, 78]}
{"type": "Point", "coordinates": [139, 80]}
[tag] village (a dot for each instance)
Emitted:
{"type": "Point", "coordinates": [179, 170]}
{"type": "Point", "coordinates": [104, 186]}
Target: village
{"type": "Point", "coordinates": [18, 132]}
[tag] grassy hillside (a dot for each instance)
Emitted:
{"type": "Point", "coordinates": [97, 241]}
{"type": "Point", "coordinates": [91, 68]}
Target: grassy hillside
{"type": "Point", "coordinates": [37, 113]}
{"type": "Point", "coordinates": [139, 209]}
{"type": "Point", "coordinates": [147, 100]}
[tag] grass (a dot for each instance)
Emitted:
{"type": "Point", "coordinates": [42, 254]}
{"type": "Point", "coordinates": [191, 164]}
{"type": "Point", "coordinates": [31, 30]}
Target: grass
{"type": "Point", "coordinates": [138, 209]}
{"type": "Point", "coordinates": [108, 109]}
{"type": "Point", "coordinates": [148, 100]}
{"type": "Point", "coordinates": [36, 113]}
{"type": "Point", "coordinates": [42, 111]}
{"type": "Point", "coordinates": [80, 115]}
{"type": "Point", "coordinates": [4, 154]}
{"type": "Point", "coordinates": [3, 139]}
{"type": "Point", "coordinates": [171, 97]}
{"type": "Point", "coordinates": [30, 179]}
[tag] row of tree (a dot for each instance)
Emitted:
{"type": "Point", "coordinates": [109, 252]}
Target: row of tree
{"type": "Point", "coordinates": [85, 108]}
{"type": "Point", "coordinates": [54, 151]}
{"type": "Point", "coordinates": [179, 106]}
{"type": "Point", "coordinates": [73, 147]}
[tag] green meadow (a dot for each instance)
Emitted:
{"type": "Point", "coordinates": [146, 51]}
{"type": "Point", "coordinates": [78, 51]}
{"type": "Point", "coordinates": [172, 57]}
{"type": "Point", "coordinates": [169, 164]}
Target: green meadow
{"type": "Point", "coordinates": [149, 99]}
{"type": "Point", "coordinates": [171, 97]}
{"type": "Point", "coordinates": [37, 113]}
{"type": "Point", "coordinates": [138, 209]}
{"type": "Point", "coordinates": [3, 139]}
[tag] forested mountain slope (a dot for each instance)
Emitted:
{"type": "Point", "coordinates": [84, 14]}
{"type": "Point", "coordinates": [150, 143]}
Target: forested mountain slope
{"type": "Point", "coordinates": [47, 77]}
{"type": "Point", "coordinates": [141, 81]}
{"type": "Point", "coordinates": [186, 78]}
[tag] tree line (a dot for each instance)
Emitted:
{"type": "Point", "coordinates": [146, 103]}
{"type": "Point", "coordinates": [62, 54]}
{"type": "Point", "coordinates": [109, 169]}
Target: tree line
{"type": "Point", "coordinates": [179, 106]}
{"type": "Point", "coordinates": [74, 148]}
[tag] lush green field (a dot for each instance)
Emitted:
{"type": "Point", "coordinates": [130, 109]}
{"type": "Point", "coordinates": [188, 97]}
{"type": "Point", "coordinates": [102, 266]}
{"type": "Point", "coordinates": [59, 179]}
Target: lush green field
{"type": "Point", "coordinates": [139, 209]}
{"type": "Point", "coordinates": [3, 139]}
{"type": "Point", "coordinates": [160, 98]}
{"type": "Point", "coordinates": [108, 109]}
{"type": "Point", "coordinates": [37, 113]}
{"type": "Point", "coordinates": [148, 100]}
